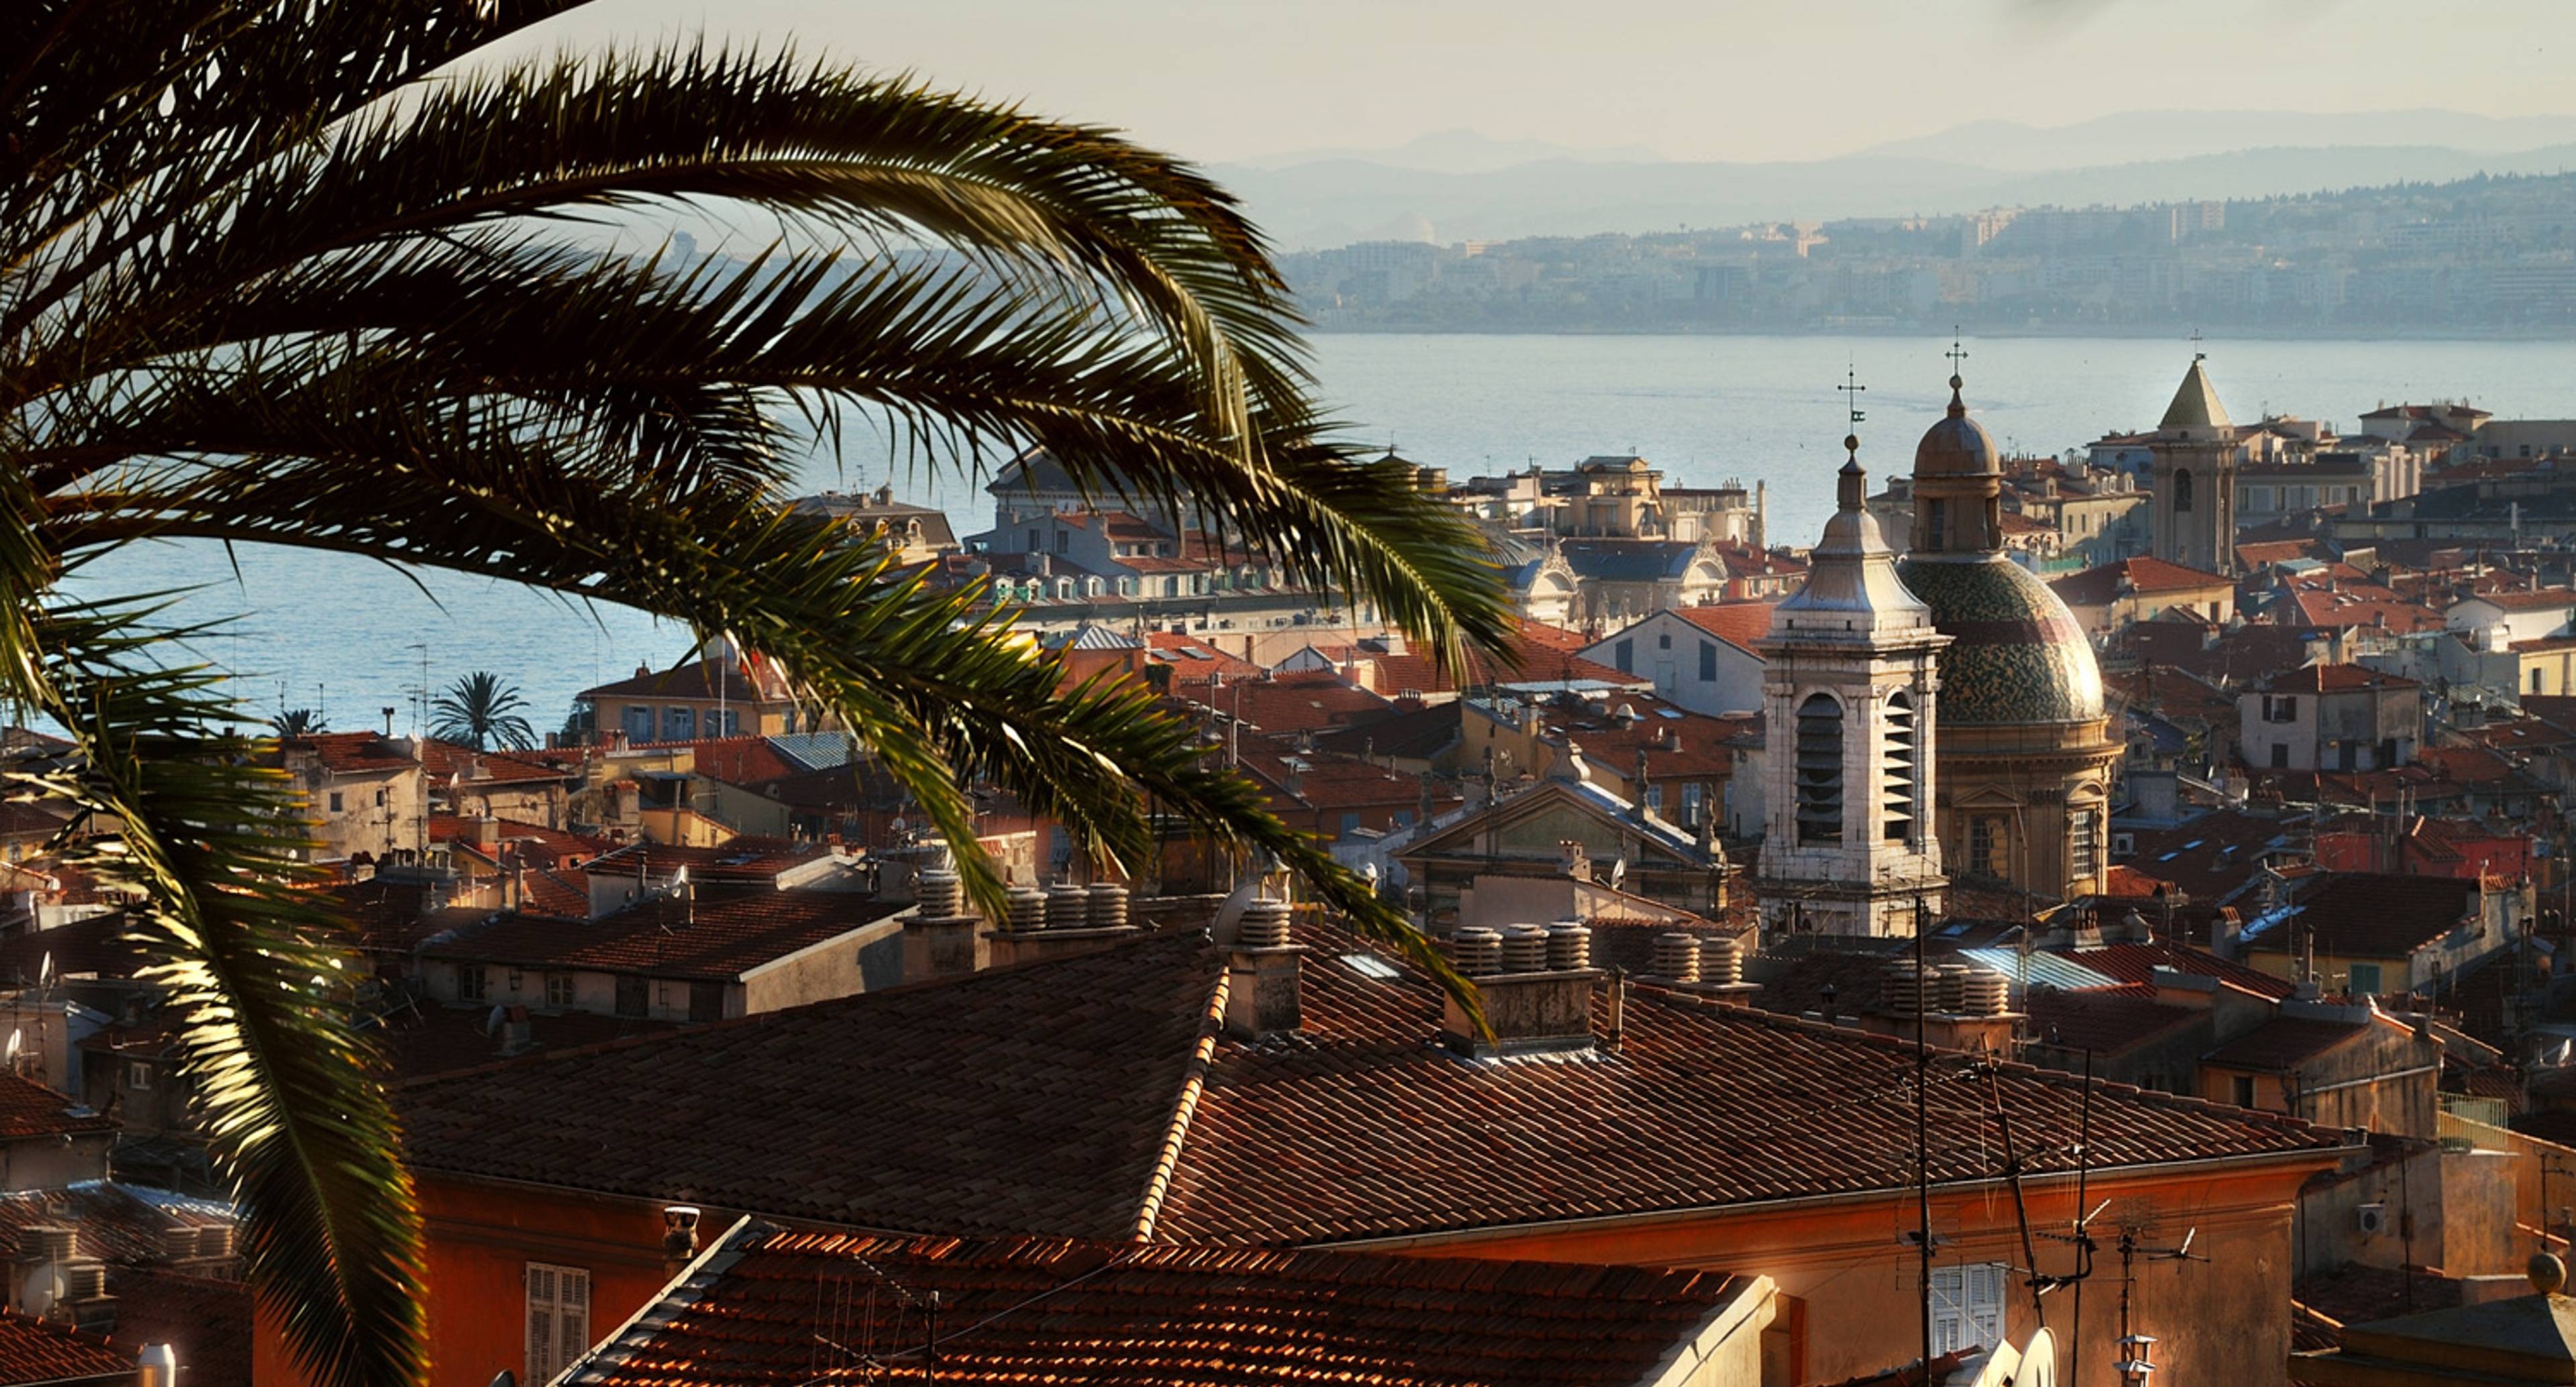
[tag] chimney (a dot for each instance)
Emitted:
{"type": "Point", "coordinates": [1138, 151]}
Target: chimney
{"type": "Point", "coordinates": [518, 1035]}
{"type": "Point", "coordinates": [156, 1366]}
{"type": "Point", "coordinates": [679, 1237]}
{"type": "Point", "coordinates": [1263, 974]}
{"type": "Point", "coordinates": [487, 834]}
{"type": "Point", "coordinates": [1535, 982]}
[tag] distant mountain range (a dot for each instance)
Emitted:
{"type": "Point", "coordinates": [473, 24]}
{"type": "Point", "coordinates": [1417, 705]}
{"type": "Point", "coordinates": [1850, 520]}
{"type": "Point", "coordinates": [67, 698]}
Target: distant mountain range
{"type": "Point", "coordinates": [1461, 187]}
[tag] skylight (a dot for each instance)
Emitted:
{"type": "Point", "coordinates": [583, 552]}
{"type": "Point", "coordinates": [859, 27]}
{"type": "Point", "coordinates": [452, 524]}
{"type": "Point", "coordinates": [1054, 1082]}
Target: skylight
{"type": "Point", "coordinates": [1372, 967]}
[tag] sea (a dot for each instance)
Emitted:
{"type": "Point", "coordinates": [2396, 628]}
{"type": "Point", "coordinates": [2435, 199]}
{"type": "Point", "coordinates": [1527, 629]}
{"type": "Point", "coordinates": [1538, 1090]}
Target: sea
{"type": "Point", "coordinates": [356, 639]}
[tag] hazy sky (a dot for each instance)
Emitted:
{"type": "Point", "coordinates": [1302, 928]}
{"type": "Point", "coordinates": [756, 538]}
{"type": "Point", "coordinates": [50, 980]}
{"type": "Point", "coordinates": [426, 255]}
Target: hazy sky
{"type": "Point", "coordinates": [1699, 79]}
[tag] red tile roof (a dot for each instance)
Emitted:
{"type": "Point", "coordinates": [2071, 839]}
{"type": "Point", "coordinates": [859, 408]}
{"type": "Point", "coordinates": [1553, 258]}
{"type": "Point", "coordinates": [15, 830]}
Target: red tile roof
{"type": "Point", "coordinates": [41, 1351]}
{"type": "Point", "coordinates": [444, 759]}
{"type": "Point", "coordinates": [2376, 915]}
{"type": "Point", "coordinates": [532, 843]}
{"type": "Point", "coordinates": [428, 1039]}
{"type": "Point", "coordinates": [2285, 1043]}
{"type": "Point", "coordinates": [2133, 962]}
{"type": "Point", "coordinates": [385, 917]}
{"type": "Point", "coordinates": [1038, 1101]}
{"type": "Point", "coordinates": [736, 861]}
{"type": "Point", "coordinates": [124, 1225]}
{"type": "Point", "coordinates": [92, 947]}
{"type": "Point", "coordinates": [715, 939]}
{"type": "Point", "coordinates": [797, 1307]}
{"type": "Point", "coordinates": [351, 753]}
{"type": "Point", "coordinates": [2526, 600]}
{"type": "Point", "coordinates": [2107, 1020]}
{"type": "Point", "coordinates": [2140, 576]}
{"type": "Point", "coordinates": [29, 1109]}
{"type": "Point", "coordinates": [2335, 679]}
{"type": "Point", "coordinates": [1739, 624]}
{"type": "Point", "coordinates": [205, 1320]}
{"type": "Point", "coordinates": [1298, 702]}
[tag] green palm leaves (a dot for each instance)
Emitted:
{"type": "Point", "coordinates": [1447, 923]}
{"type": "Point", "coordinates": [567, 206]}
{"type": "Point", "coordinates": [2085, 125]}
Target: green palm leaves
{"type": "Point", "coordinates": [262, 281]}
{"type": "Point", "coordinates": [482, 712]}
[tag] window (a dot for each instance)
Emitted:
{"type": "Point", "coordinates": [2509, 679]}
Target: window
{"type": "Point", "coordinates": [662, 996]}
{"type": "Point", "coordinates": [336, 805]}
{"type": "Point", "coordinates": [2280, 756]}
{"type": "Point", "coordinates": [2244, 1090]}
{"type": "Point", "coordinates": [1664, 642]}
{"type": "Point", "coordinates": [1624, 656]}
{"type": "Point", "coordinates": [2280, 708]}
{"type": "Point", "coordinates": [380, 797]}
{"type": "Point", "coordinates": [2535, 688]}
{"type": "Point", "coordinates": [1986, 846]}
{"type": "Point", "coordinates": [1350, 822]}
{"type": "Point", "coordinates": [679, 724]}
{"type": "Point", "coordinates": [558, 989]}
{"type": "Point", "coordinates": [1936, 526]}
{"type": "Point", "coordinates": [2182, 491]}
{"type": "Point", "coordinates": [1063, 540]}
{"type": "Point", "coordinates": [706, 1001]}
{"type": "Point", "coordinates": [2364, 981]}
{"type": "Point", "coordinates": [639, 722]}
{"type": "Point", "coordinates": [470, 984]}
{"type": "Point", "coordinates": [1897, 771]}
{"type": "Point", "coordinates": [1820, 770]}
{"type": "Point", "coordinates": [1033, 542]}
{"type": "Point", "coordinates": [2083, 844]}
{"type": "Point", "coordinates": [558, 1319]}
{"type": "Point", "coordinates": [138, 1077]}
{"type": "Point", "coordinates": [632, 997]}
{"type": "Point", "coordinates": [1693, 797]}
{"type": "Point", "coordinates": [1708, 662]}
{"type": "Point", "coordinates": [1967, 1307]}
{"type": "Point", "coordinates": [1655, 799]}
{"type": "Point", "coordinates": [514, 981]}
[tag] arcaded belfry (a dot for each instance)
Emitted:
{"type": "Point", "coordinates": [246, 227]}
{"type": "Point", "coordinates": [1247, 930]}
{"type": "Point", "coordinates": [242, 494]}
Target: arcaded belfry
{"type": "Point", "coordinates": [2023, 767]}
{"type": "Point", "coordinates": [1848, 692]}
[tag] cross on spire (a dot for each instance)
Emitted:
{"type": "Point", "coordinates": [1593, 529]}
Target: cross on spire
{"type": "Point", "coordinates": [2196, 353]}
{"type": "Point", "coordinates": [1851, 388]}
{"type": "Point", "coordinates": [1956, 353]}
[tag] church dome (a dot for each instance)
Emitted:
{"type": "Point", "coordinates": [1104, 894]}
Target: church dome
{"type": "Point", "coordinates": [2016, 656]}
{"type": "Point", "coordinates": [1957, 446]}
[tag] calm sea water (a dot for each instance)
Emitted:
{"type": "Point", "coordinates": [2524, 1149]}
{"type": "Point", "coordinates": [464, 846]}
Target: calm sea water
{"type": "Point", "coordinates": [352, 636]}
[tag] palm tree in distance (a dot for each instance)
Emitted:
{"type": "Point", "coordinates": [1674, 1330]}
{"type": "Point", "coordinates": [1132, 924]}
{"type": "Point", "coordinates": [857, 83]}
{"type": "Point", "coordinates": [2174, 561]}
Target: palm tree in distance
{"type": "Point", "coordinates": [261, 281]}
{"type": "Point", "coordinates": [480, 711]}
{"type": "Point", "coordinates": [298, 722]}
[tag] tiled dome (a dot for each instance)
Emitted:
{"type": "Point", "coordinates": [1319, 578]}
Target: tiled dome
{"type": "Point", "coordinates": [2016, 655]}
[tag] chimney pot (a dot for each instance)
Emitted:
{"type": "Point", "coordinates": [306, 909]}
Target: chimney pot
{"type": "Point", "coordinates": [1262, 986]}
{"type": "Point", "coordinates": [679, 1236]}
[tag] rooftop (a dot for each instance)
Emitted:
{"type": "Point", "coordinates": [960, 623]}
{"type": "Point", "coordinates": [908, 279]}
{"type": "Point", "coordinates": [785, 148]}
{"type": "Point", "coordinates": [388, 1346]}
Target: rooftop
{"type": "Point", "coordinates": [716, 938]}
{"type": "Point", "coordinates": [1354, 1126]}
{"type": "Point", "coordinates": [2374, 915]}
{"type": "Point", "coordinates": [29, 1110]}
{"type": "Point", "coordinates": [1090, 1314]}
{"type": "Point", "coordinates": [41, 1351]}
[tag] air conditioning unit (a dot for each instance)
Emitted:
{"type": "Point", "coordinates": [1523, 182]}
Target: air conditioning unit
{"type": "Point", "coordinates": [2372, 1218]}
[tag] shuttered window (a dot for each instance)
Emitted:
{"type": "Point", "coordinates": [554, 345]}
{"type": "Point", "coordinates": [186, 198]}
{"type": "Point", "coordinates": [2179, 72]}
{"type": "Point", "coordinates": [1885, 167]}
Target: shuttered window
{"type": "Point", "coordinates": [558, 1319]}
{"type": "Point", "coordinates": [1967, 1307]}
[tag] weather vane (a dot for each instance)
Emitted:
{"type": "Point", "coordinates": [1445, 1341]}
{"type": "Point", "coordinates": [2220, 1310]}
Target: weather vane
{"type": "Point", "coordinates": [1851, 388]}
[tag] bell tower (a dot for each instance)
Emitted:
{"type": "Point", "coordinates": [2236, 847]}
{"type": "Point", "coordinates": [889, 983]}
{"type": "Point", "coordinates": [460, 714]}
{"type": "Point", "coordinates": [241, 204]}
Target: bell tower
{"type": "Point", "coordinates": [1848, 693]}
{"type": "Point", "coordinates": [2194, 476]}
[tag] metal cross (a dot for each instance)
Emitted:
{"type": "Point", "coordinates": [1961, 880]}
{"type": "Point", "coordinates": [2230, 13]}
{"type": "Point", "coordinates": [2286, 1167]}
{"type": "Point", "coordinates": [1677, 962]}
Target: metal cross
{"type": "Point", "coordinates": [1851, 388]}
{"type": "Point", "coordinates": [1956, 353]}
{"type": "Point", "coordinates": [2196, 353]}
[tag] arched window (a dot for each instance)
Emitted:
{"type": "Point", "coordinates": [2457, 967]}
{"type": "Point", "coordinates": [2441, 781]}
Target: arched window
{"type": "Point", "coordinates": [1820, 770]}
{"type": "Point", "coordinates": [1897, 770]}
{"type": "Point", "coordinates": [2182, 491]}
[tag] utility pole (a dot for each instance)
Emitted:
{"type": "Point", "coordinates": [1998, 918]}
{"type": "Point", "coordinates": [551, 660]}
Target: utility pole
{"type": "Point", "coordinates": [1922, 1137]}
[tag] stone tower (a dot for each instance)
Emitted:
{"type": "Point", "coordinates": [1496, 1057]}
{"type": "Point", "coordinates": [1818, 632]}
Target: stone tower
{"type": "Point", "coordinates": [2194, 475]}
{"type": "Point", "coordinates": [1848, 692]}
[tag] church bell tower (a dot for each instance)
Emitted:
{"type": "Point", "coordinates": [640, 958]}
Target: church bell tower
{"type": "Point", "coordinates": [2194, 476]}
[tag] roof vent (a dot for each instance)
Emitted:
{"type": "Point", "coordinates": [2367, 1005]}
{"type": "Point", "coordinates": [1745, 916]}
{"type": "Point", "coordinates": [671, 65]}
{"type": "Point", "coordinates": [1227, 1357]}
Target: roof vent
{"type": "Point", "coordinates": [1903, 991]}
{"type": "Point", "coordinates": [941, 894]}
{"type": "Point", "coordinates": [1525, 949]}
{"type": "Point", "coordinates": [1569, 945]}
{"type": "Point", "coordinates": [1108, 905]}
{"type": "Point", "coordinates": [1476, 951]}
{"type": "Point", "coordinates": [1721, 961]}
{"type": "Point", "coordinates": [1265, 924]}
{"type": "Point", "coordinates": [1677, 956]}
{"type": "Point", "coordinates": [1953, 983]}
{"type": "Point", "coordinates": [48, 1242]}
{"type": "Point", "coordinates": [1068, 906]}
{"type": "Point", "coordinates": [1027, 908]}
{"type": "Point", "coordinates": [1986, 993]}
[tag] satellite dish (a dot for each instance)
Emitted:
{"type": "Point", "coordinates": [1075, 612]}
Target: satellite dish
{"type": "Point", "coordinates": [2038, 1361]}
{"type": "Point", "coordinates": [492, 1022]}
{"type": "Point", "coordinates": [45, 969]}
{"type": "Point", "coordinates": [16, 1042]}
{"type": "Point", "coordinates": [1618, 872]}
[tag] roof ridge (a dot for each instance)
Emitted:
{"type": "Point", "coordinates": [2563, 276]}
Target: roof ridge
{"type": "Point", "coordinates": [1176, 1132]}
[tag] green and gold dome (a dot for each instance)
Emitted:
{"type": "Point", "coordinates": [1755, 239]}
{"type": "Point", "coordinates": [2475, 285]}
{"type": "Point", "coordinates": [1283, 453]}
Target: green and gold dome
{"type": "Point", "coordinates": [2016, 656]}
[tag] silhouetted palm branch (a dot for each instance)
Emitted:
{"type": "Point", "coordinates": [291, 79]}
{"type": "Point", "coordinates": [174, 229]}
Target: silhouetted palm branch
{"type": "Point", "coordinates": [260, 282]}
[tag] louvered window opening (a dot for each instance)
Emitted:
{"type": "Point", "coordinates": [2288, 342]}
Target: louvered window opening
{"type": "Point", "coordinates": [1899, 770]}
{"type": "Point", "coordinates": [1820, 771]}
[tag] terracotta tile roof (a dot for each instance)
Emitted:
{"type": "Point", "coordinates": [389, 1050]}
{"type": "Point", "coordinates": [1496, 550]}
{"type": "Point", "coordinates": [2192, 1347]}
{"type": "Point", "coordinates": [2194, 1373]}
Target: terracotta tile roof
{"type": "Point", "coordinates": [2268, 552]}
{"type": "Point", "coordinates": [1332, 781]}
{"type": "Point", "coordinates": [2284, 1043]}
{"type": "Point", "coordinates": [1354, 1126]}
{"type": "Point", "coordinates": [1093, 1314]}
{"type": "Point", "coordinates": [2106, 1020]}
{"type": "Point", "coordinates": [2358, 1294]}
{"type": "Point", "coordinates": [532, 843]}
{"type": "Point", "coordinates": [1739, 624]}
{"type": "Point", "coordinates": [1409, 730]}
{"type": "Point", "coordinates": [2334, 679]}
{"type": "Point", "coordinates": [2526, 600]}
{"type": "Point", "coordinates": [2213, 857]}
{"type": "Point", "coordinates": [385, 916]}
{"type": "Point", "coordinates": [41, 1351]}
{"type": "Point", "coordinates": [205, 1320]}
{"type": "Point", "coordinates": [737, 861]}
{"type": "Point", "coordinates": [1194, 660]}
{"type": "Point", "coordinates": [718, 938]}
{"type": "Point", "coordinates": [443, 759]}
{"type": "Point", "coordinates": [351, 753]}
{"type": "Point", "coordinates": [93, 947]}
{"type": "Point", "coordinates": [428, 1039]}
{"type": "Point", "coordinates": [1298, 702]}
{"type": "Point", "coordinates": [29, 1109]}
{"type": "Point", "coordinates": [2375, 915]}
{"type": "Point", "coordinates": [118, 1223]}
{"type": "Point", "coordinates": [23, 818]}
{"type": "Point", "coordinates": [2133, 962]}
{"type": "Point", "coordinates": [2112, 581]}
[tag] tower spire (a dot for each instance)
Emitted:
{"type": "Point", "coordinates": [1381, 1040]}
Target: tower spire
{"type": "Point", "coordinates": [1957, 354]}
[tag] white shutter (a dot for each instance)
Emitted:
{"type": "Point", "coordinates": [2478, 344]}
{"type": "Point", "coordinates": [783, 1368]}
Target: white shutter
{"type": "Point", "coordinates": [1967, 1306]}
{"type": "Point", "coordinates": [1948, 1318]}
{"type": "Point", "coordinates": [1986, 1304]}
{"type": "Point", "coordinates": [541, 1324]}
{"type": "Point", "coordinates": [572, 1315]}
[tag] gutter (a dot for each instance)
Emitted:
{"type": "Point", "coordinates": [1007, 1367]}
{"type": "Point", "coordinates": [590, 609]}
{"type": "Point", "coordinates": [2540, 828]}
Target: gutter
{"type": "Point", "coordinates": [1177, 1131]}
{"type": "Point", "coordinates": [676, 1296]}
{"type": "Point", "coordinates": [1702, 1212]}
